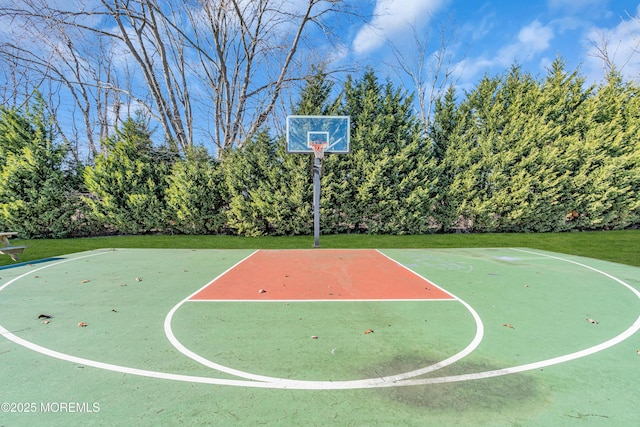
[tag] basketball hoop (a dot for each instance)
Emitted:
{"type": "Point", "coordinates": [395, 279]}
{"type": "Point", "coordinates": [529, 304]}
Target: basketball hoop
{"type": "Point", "coordinates": [318, 135]}
{"type": "Point", "coordinates": [318, 148]}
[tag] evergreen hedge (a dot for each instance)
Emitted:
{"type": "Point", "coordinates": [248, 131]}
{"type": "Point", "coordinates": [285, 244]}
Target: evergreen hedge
{"type": "Point", "coordinates": [514, 154]}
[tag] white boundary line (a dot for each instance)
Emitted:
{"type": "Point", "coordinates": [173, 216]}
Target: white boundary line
{"type": "Point", "coordinates": [416, 273]}
{"type": "Point", "coordinates": [326, 300]}
{"type": "Point", "coordinates": [15, 279]}
{"type": "Point", "coordinates": [330, 385]}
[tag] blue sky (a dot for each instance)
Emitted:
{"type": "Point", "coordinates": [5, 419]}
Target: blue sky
{"type": "Point", "coordinates": [482, 37]}
{"type": "Point", "coordinates": [487, 37]}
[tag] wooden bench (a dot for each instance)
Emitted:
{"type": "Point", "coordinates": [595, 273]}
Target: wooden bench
{"type": "Point", "coordinates": [6, 248]}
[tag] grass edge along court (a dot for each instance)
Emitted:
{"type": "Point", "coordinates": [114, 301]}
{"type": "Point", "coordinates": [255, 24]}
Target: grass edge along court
{"type": "Point", "coordinates": [621, 246]}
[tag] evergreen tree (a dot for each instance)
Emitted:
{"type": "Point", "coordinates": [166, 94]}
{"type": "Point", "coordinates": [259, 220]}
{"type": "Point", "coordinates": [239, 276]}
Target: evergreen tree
{"type": "Point", "coordinates": [445, 133]}
{"type": "Point", "coordinates": [500, 142]}
{"type": "Point", "coordinates": [382, 185]}
{"type": "Point", "coordinates": [508, 160]}
{"type": "Point", "coordinates": [37, 197]}
{"type": "Point", "coordinates": [467, 158]}
{"type": "Point", "coordinates": [263, 198]}
{"type": "Point", "coordinates": [562, 110]}
{"type": "Point", "coordinates": [315, 98]}
{"type": "Point", "coordinates": [521, 182]}
{"type": "Point", "coordinates": [195, 194]}
{"type": "Point", "coordinates": [631, 164]}
{"type": "Point", "coordinates": [444, 123]}
{"type": "Point", "coordinates": [608, 180]}
{"type": "Point", "coordinates": [344, 198]}
{"type": "Point", "coordinates": [128, 181]}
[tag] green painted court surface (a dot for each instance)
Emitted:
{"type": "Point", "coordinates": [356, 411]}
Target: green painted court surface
{"type": "Point", "coordinates": [514, 347]}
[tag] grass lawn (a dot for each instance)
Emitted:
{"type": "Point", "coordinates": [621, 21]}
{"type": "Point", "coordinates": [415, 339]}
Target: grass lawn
{"type": "Point", "coordinates": [617, 246]}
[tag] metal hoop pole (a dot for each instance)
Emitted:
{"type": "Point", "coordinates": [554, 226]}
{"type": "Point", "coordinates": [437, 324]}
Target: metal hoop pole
{"type": "Point", "coordinates": [317, 169]}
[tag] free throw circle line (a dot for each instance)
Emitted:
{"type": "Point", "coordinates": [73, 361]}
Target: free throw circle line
{"type": "Point", "coordinates": [475, 342]}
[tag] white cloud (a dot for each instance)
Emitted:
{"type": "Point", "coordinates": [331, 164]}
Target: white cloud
{"type": "Point", "coordinates": [535, 38]}
{"type": "Point", "coordinates": [531, 40]}
{"type": "Point", "coordinates": [392, 18]}
{"type": "Point", "coordinates": [482, 29]}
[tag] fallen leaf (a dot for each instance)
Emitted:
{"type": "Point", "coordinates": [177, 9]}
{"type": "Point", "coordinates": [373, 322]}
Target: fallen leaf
{"type": "Point", "coordinates": [314, 337]}
{"type": "Point", "coordinates": [83, 325]}
{"type": "Point", "coordinates": [44, 322]}
{"type": "Point", "coordinates": [508, 325]}
{"type": "Point", "coordinates": [368, 331]}
{"type": "Point", "coordinates": [262, 291]}
{"type": "Point", "coordinates": [85, 281]}
{"type": "Point", "coordinates": [44, 316]}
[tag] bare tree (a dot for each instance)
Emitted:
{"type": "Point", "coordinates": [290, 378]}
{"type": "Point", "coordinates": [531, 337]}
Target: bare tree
{"type": "Point", "coordinates": [246, 53]}
{"type": "Point", "coordinates": [615, 50]}
{"type": "Point", "coordinates": [199, 68]}
{"type": "Point", "coordinates": [429, 68]}
{"type": "Point", "coordinates": [601, 49]}
{"type": "Point", "coordinates": [70, 69]}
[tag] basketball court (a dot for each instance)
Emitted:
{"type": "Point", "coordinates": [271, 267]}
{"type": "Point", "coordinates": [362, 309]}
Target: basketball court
{"type": "Point", "coordinates": [319, 337]}
{"type": "Point", "coordinates": [344, 337]}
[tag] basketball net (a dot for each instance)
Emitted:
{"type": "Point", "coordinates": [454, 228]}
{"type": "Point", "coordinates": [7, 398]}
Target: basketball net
{"type": "Point", "coordinates": [318, 148]}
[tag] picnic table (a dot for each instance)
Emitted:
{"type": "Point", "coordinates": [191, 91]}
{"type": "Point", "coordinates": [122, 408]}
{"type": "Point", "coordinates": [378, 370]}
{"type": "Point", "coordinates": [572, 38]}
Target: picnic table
{"type": "Point", "coordinates": [7, 249]}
